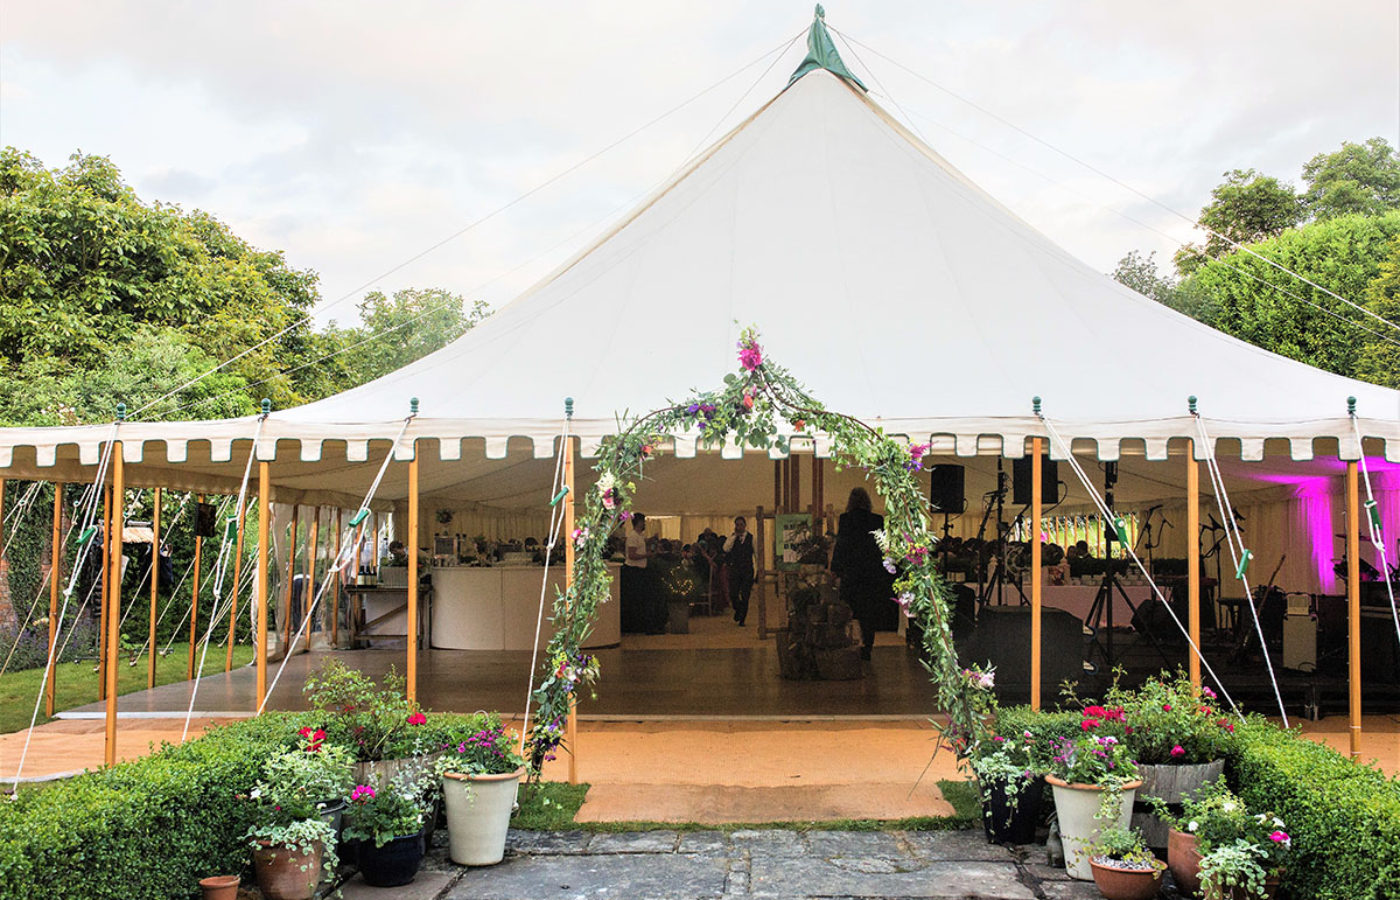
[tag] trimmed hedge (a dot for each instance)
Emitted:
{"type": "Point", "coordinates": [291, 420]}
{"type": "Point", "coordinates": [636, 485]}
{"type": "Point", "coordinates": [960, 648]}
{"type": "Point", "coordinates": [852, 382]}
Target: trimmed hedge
{"type": "Point", "coordinates": [1344, 818]}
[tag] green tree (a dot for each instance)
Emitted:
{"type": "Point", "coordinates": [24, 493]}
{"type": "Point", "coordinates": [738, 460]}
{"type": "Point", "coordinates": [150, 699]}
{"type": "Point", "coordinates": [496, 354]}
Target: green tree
{"type": "Point", "coordinates": [1379, 360]}
{"type": "Point", "coordinates": [1344, 255]}
{"type": "Point", "coordinates": [1245, 208]}
{"type": "Point", "coordinates": [396, 330]}
{"type": "Point", "coordinates": [1357, 179]}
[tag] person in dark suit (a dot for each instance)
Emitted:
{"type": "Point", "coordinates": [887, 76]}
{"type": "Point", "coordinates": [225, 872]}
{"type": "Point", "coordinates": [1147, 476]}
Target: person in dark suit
{"type": "Point", "coordinates": [865, 585]}
{"type": "Point", "coordinates": [738, 551]}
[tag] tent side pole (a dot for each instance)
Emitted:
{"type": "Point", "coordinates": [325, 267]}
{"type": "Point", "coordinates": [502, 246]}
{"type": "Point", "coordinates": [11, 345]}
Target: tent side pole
{"type": "Point", "coordinates": [412, 666]}
{"type": "Point", "coordinates": [55, 573]}
{"type": "Point", "coordinates": [339, 582]}
{"type": "Point", "coordinates": [572, 733]}
{"type": "Point", "coordinates": [309, 591]}
{"type": "Point", "coordinates": [155, 589]}
{"type": "Point", "coordinates": [194, 595]}
{"type": "Point", "coordinates": [291, 579]}
{"type": "Point", "coordinates": [1193, 559]}
{"type": "Point", "coordinates": [759, 573]}
{"type": "Point", "coordinates": [1354, 607]}
{"type": "Point", "coordinates": [237, 578]}
{"type": "Point", "coordinates": [114, 617]}
{"type": "Point", "coordinates": [264, 527]}
{"type": "Point", "coordinates": [777, 484]}
{"type": "Point", "coordinates": [1036, 574]}
{"type": "Point", "coordinates": [105, 570]}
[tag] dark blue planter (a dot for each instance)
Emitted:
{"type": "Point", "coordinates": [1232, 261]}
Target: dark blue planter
{"type": "Point", "coordinates": [1012, 821]}
{"type": "Point", "coordinates": [394, 864]}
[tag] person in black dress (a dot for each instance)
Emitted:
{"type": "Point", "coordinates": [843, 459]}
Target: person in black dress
{"type": "Point", "coordinates": [738, 550]}
{"type": "Point", "coordinates": [865, 585]}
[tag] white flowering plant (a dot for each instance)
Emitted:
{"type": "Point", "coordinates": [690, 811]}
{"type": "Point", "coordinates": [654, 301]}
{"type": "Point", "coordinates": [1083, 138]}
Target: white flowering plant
{"type": "Point", "coordinates": [1219, 819]}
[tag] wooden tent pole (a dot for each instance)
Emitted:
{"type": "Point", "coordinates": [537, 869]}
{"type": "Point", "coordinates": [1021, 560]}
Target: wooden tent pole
{"type": "Point", "coordinates": [55, 573]}
{"type": "Point", "coordinates": [339, 584]}
{"type": "Point", "coordinates": [194, 594]}
{"type": "Point", "coordinates": [795, 463]}
{"type": "Point", "coordinates": [758, 579]}
{"type": "Point", "coordinates": [412, 667]}
{"type": "Point", "coordinates": [572, 733]}
{"type": "Point", "coordinates": [114, 617]}
{"type": "Point", "coordinates": [1037, 577]}
{"type": "Point", "coordinates": [1354, 606]}
{"type": "Point", "coordinates": [777, 484]}
{"type": "Point", "coordinates": [264, 529]}
{"type": "Point", "coordinates": [105, 570]}
{"type": "Point", "coordinates": [313, 541]}
{"type": "Point", "coordinates": [291, 579]}
{"type": "Point", "coordinates": [155, 592]}
{"type": "Point", "coordinates": [237, 578]}
{"type": "Point", "coordinates": [4, 482]}
{"type": "Point", "coordinates": [1193, 560]}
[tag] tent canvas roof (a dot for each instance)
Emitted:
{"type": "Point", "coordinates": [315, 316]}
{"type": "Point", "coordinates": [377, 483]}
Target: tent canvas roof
{"type": "Point", "coordinates": [894, 287]}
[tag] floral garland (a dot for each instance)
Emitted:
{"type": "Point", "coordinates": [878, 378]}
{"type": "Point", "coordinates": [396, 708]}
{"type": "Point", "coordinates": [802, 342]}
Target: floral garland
{"type": "Point", "coordinates": [746, 411]}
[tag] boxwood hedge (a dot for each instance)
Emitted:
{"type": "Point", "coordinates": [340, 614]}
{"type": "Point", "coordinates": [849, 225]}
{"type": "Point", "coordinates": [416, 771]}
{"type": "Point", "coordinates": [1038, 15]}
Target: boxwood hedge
{"type": "Point", "coordinates": [1344, 819]}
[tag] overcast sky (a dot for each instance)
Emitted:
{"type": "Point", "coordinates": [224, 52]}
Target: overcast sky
{"type": "Point", "coordinates": [356, 135]}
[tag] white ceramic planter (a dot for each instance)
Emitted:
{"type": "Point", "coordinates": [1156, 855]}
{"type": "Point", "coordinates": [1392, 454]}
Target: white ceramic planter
{"type": "Point", "coordinates": [478, 815]}
{"type": "Point", "coordinates": [1077, 807]}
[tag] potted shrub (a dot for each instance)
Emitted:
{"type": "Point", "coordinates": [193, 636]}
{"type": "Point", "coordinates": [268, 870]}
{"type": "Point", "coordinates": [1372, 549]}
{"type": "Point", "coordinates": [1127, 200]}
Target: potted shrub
{"type": "Point", "coordinates": [480, 771]}
{"type": "Point", "coordinates": [291, 840]}
{"type": "Point", "coordinates": [1178, 738]}
{"type": "Point", "coordinates": [1124, 869]}
{"type": "Point", "coordinates": [1216, 820]}
{"type": "Point", "coordinates": [1010, 762]}
{"type": "Point", "coordinates": [383, 730]}
{"type": "Point", "coordinates": [1093, 779]}
{"type": "Point", "coordinates": [387, 821]}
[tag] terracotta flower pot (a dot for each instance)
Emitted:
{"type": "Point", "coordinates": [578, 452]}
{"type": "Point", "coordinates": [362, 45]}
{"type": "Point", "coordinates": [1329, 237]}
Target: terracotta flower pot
{"type": "Point", "coordinates": [1077, 807]}
{"type": "Point", "coordinates": [219, 887]}
{"type": "Point", "coordinates": [1184, 860]}
{"type": "Point", "coordinates": [283, 873]}
{"type": "Point", "coordinates": [1126, 884]}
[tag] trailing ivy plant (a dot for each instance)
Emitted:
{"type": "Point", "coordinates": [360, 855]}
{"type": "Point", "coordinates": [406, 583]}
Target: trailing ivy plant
{"type": "Point", "coordinates": [748, 412]}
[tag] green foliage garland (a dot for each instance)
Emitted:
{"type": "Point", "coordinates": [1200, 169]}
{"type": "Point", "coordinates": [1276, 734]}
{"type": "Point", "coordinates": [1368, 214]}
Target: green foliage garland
{"type": "Point", "coordinates": [747, 411]}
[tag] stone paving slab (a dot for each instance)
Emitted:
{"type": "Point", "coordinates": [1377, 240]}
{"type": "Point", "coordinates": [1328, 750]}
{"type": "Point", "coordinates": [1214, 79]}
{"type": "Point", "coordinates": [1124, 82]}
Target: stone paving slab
{"type": "Point", "coordinates": [627, 876]}
{"type": "Point", "coordinates": [880, 878]}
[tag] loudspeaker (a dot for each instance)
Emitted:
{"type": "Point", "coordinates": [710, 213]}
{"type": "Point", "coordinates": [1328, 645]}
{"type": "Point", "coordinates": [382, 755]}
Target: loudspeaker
{"type": "Point", "coordinates": [945, 492]}
{"type": "Point", "coordinates": [204, 515]}
{"type": "Point", "coordinates": [1021, 481]}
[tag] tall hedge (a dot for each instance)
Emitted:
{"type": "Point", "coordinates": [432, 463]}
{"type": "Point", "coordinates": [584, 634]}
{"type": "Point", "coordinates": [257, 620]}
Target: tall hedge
{"type": "Point", "coordinates": [1344, 818]}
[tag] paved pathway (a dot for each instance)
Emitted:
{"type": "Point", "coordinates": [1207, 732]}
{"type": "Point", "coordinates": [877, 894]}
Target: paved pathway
{"type": "Point", "coordinates": [773, 864]}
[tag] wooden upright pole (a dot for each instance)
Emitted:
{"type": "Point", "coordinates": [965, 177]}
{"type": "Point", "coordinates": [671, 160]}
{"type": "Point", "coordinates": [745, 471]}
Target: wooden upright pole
{"type": "Point", "coordinates": [237, 578]}
{"type": "Point", "coordinates": [569, 556]}
{"type": "Point", "coordinates": [1354, 606]}
{"type": "Point", "coordinates": [759, 555]}
{"type": "Point", "coordinates": [155, 593]}
{"type": "Point", "coordinates": [335, 598]}
{"type": "Point", "coordinates": [413, 575]}
{"type": "Point", "coordinates": [264, 526]}
{"type": "Point", "coordinates": [55, 574]}
{"type": "Point", "coordinates": [194, 596]}
{"type": "Point", "coordinates": [291, 579]}
{"type": "Point", "coordinates": [114, 615]}
{"type": "Point", "coordinates": [777, 484]}
{"type": "Point", "coordinates": [309, 591]}
{"type": "Point", "coordinates": [1193, 560]}
{"type": "Point", "coordinates": [1036, 574]}
{"type": "Point", "coordinates": [795, 463]}
{"type": "Point", "coordinates": [3, 483]}
{"type": "Point", "coordinates": [103, 578]}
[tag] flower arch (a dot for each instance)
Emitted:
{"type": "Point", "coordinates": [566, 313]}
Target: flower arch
{"type": "Point", "coordinates": [747, 410]}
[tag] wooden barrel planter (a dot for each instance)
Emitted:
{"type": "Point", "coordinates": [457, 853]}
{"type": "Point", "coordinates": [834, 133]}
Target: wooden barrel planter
{"type": "Point", "coordinates": [1171, 784]}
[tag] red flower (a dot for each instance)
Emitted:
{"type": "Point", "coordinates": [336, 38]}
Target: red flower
{"type": "Point", "coordinates": [418, 719]}
{"type": "Point", "coordinates": [1089, 724]}
{"type": "Point", "coordinates": [1114, 714]}
{"type": "Point", "coordinates": [1097, 712]}
{"type": "Point", "coordinates": [1166, 707]}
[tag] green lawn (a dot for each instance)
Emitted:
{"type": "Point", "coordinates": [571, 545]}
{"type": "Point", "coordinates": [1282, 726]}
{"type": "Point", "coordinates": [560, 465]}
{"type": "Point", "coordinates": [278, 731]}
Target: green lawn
{"type": "Point", "coordinates": [77, 682]}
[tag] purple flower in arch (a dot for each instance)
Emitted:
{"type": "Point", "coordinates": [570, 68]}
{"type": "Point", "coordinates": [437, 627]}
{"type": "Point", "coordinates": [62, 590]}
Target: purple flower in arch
{"type": "Point", "coordinates": [750, 355]}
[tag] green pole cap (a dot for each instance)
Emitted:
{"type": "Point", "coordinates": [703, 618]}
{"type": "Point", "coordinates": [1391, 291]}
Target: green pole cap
{"type": "Point", "coordinates": [1035, 405]}
{"type": "Point", "coordinates": [413, 406]}
{"type": "Point", "coordinates": [568, 407]}
{"type": "Point", "coordinates": [359, 517]}
{"type": "Point", "coordinates": [266, 407]}
{"type": "Point", "coordinates": [1243, 567]}
{"type": "Point", "coordinates": [1191, 404]}
{"type": "Point", "coordinates": [1351, 406]}
{"type": "Point", "coordinates": [121, 412]}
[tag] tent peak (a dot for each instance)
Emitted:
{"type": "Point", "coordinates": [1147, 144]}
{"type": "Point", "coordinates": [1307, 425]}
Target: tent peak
{"type": "Point", "coordinates": [821, 53]}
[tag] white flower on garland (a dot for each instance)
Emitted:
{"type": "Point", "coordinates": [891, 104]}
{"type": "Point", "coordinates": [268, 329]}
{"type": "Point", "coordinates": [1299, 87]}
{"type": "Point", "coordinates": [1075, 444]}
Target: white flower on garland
{"type": "Point", "coordinates": [882, 540]}
{"type": "Point", "coordinates": [1193, 825]}
{"type": "Point", "coordinates": [606, 482]}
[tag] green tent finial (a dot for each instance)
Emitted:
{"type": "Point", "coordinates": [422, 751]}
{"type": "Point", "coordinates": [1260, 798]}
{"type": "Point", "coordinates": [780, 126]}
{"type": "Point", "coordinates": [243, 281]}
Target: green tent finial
{"type": "Point", "coordinates": [821, 53]}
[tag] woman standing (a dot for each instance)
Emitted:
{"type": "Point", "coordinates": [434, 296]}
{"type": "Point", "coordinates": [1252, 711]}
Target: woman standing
{"type": "Point", "coordinates": [856, 561]}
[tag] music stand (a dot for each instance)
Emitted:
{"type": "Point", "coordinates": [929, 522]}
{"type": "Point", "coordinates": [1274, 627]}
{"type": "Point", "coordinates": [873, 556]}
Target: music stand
{"type": "Point", "coordinates": [1103, 606]}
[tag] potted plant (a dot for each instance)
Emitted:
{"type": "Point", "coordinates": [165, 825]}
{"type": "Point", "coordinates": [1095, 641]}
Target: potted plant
{"type": "Point", "coordinates": [481, 771]}
{"type": "Point", "coordinates": [382, 728]}
{"type": "Point", "coordinates": [387, 821]}
{"type": "Point", "coordinates": [1010, 761]}
{"type": "Point", "coordinates": [291, 840]}
{"type": "Point", "coordinates": [1178, 738]}
{"type": "Point", "coordinates": [1124, 869]}
{"type": "Point", "coordinates": [1214, 820]}
{"type": "Point", "coordinates": [1093, 779]}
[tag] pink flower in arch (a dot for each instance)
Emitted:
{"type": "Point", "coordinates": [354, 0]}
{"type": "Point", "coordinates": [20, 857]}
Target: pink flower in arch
{"type": "Point", "coordinates": [750, 355]}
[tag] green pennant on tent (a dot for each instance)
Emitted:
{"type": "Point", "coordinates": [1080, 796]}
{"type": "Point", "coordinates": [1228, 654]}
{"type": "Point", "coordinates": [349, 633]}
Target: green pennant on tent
{"type": "Point", "coordinates": [821, 53]}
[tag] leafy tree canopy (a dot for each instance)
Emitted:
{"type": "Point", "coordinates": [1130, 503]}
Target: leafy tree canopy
{"type": "Point", "coordinates": [1357, 179]}
{"type": "Point", "coordinates": [1244, 209]}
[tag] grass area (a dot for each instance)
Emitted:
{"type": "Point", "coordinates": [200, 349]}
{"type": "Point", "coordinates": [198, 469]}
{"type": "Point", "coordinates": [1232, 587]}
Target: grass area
{"type": "Point", "coordinates": [76, 683]}
{"type": "Point", "coordinates": [553, 805]}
